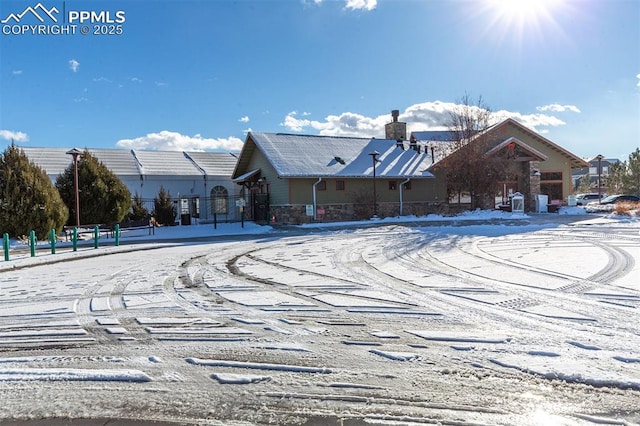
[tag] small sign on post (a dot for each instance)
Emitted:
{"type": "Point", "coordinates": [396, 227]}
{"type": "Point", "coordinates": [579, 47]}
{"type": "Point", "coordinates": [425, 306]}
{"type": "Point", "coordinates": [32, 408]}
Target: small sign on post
{"type": "Point", "coordinates": [240, 203]}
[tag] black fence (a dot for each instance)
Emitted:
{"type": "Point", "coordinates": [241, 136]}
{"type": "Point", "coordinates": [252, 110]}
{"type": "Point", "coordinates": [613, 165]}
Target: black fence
{"type": "Point", "coordinates": [194, 210]}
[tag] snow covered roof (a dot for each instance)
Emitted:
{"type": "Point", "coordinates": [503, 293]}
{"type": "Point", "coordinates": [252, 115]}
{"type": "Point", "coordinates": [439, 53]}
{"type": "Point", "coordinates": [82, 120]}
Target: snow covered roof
{"type": "Point", "coordinates": [316, 156]}
{"type": "Point", "coordinates": [173, 163]}
{"type": "Point", "coordinates": [214, 163]}
{"type": "Point", "coordinates": [433, 135]}
{"type": "Point", "coordinates": [125, 162]}
{"type": "Point", "coordinates": [119, 161]}
{"type": "Point", "coordinates": [52, 160]}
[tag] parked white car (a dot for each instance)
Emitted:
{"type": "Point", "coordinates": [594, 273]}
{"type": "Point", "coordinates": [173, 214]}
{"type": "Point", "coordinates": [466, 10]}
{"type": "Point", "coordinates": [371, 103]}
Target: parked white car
{"type": "Point", "coordinates": [584, 199]}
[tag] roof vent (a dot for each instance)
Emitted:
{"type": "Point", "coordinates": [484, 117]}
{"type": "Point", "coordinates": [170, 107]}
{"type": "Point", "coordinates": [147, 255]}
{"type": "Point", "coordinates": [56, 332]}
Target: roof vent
{"type": "Point", "coordinates": [400, 144]}
{"type": "Point", "coordinates": [394, 114]}
{"type": "Point", "coordinates": [339, 160]}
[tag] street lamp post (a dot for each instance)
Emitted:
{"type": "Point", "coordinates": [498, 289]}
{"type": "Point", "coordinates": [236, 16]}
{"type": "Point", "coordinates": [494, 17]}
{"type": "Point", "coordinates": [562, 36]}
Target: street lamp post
{"type": "Point", "coordinates": [599, 158]}
{"type": "Point", "coordinates": [75, 153]}
{"type": "Point", "coordinates": [374, 156]}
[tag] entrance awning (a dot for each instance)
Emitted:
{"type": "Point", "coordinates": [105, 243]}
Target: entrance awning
{"type": "Point", "coordinates": [517, 150]}
{"type": "Point", "coordinates": [246, 177]}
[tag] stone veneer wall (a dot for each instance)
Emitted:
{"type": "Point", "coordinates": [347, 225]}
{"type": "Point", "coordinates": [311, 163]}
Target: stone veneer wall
{"type": "Point", "coordinates": [296, 214]}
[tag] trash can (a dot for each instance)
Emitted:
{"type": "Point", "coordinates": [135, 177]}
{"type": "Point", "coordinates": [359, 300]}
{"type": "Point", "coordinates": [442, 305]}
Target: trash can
{"type": "Point", "coordinates": [571, 201]}
{"type": "Point", "coordinates": [541, 203]}
{"type": "Point", "coordinates": [185, 219]}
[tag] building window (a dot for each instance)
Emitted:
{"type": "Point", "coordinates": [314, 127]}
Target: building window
{"type": "Point", "coordinates": [219, 200]}
{"type": "Point", "coordinates": [340, 185]}
{"type": "Point", "coordinates": [195, 207]}
{"type": "Point", "coordinates": [407, 186]}
{"type": "Point", "coordinates": [322, 185]}
{"type": "Point", "coordinates": [393, 185]}
{"type": "Point", "coordinates": [551, 184]}
{"type": "Point", "coordinates": [549, 176]}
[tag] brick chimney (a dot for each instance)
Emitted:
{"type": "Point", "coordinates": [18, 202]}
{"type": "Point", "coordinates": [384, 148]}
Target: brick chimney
{"type": "Point", "coordinates": [396, 130]}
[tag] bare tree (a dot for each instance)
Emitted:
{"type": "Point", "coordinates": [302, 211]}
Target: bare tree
{"type": "Point", "coordinates": [468, 169]}
{"type": "Point", "coordinates": [468, 119]}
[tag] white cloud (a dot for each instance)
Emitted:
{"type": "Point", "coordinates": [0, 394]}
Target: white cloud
{"type": "Point", "coordinates": [16, 72]}
{"type": "Point", "coordinates": [102, 80]}
{"type": "Point", "coordinates": [532, 121]}
{"type": "Point", "coordinates": [558, 108]}
{"type": "Point", "coordinates": [422, 116]}
{"type": "Point", "coordinates": [74, 65]}
{"type": "Point", "coordinates": [244, 119]}
{"type": "Point", "coordinates": [135, 80]}
{"type": "Point", "coordinates": [345, 124]}
{"type": "Point", "coordinates": [14, 136]}
{"type": "Point", "coordinates": [161, 84]}
{"type": "Point", "coordinates": [361, 4]}
{"type": "Point", "coordinates": [81, 99]}
{"type": "Point", "coordinates": [638, 76]}
{"type": "Point", "coordinates": [174, 141]}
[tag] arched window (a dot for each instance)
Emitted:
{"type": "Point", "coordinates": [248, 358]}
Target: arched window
{"type": "Point", "coordinates": [219, 200]}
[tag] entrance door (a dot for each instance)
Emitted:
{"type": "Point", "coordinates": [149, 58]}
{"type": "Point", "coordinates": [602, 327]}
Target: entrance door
{"type": "Point", "coordinates": [261, 207]}
{"type": "Point", "coordinates": [508, 189]}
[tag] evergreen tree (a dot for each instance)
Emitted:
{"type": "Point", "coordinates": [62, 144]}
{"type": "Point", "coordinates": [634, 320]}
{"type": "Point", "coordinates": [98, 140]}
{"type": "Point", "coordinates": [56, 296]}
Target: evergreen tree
{"type": "Point", "coordinates": [631, 177]}
{"type": "Point", "coordinates": [138, 209]}
{"type": "Point", "coordinates": [584, 187]}
{"type": "Point", "coordinates": [103, 198]}
{"type": "Point", "coordinates": [28, 199]}
{"type": "Point", "coordinates": [163, 208]}
{"type": "Point", "coordinates": [613, 182]}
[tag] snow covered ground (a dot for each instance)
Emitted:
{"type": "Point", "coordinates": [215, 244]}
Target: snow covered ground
{"type": "Point", "coordinates": [487, 318]}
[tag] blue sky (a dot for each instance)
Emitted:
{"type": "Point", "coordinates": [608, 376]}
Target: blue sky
{"type": "Point", "coordinates": [197, 75]}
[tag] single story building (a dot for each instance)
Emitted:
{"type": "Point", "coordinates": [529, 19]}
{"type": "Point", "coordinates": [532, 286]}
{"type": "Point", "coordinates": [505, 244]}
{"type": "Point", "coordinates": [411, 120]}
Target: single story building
{"type": "Point", "coordinates": [292, 178]}
{"type": "Point", "coordinates": [199, 182]}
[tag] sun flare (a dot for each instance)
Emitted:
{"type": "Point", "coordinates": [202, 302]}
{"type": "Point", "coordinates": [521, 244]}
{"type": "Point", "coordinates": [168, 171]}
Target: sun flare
{"type": "Point", "coordinates": [523, 9]}
{"type": "Point", "coordinates": [523, 19]}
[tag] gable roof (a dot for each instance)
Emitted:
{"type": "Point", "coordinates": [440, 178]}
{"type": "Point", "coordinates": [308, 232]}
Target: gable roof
{"type": "Point", "coordinates": [575, 161]}
{"type": "Point", "coordinates": [124, 162]}
{"type": "Point", "coordinates": [297, 156]}
{"type": "Point", "coordinates": [54, 161]}
{"type": "Point", "coordinates": [513, 142]}
{"type": "Point", "coordinates": [213, 163]}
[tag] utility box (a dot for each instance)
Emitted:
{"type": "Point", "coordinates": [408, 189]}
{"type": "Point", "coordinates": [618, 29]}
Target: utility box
{"type": "Point", "coordinates": [517, 203]}
{"type": "Point", "coordinates": [541, 203]}
{"type": "Point", "coordinates": [571, 201]}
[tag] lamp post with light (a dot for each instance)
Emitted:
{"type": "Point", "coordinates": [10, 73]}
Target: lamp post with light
{"type": "Point", "coordinates": [75, 153]}
{"type": "Point", "coordinates": [374, 156]}
{"type": "Point", "coordinates": [599, 158]}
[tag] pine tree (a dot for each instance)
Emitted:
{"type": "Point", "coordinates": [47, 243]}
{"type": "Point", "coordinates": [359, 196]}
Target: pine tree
{"type": "Point", "coordinates": [103, 198]}
{"type": "Point", "coordinates": [138, 209]}
{"type": "Point", "coordinates": [163, 208]}
{"type": "Point", "coordinates": [28, 199]}
{"type": "Point", "coordinates": [631, 177]}
{"type": "Point", "coordinates": [613, 182]}
{"type": "Point", "coordinates": [584, 187]}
